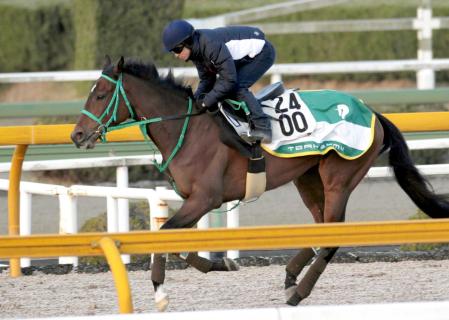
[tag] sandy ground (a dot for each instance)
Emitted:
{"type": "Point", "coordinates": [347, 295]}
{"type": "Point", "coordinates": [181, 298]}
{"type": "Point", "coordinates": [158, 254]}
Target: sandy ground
{"type": "Point", "coordinates": [74, 294]}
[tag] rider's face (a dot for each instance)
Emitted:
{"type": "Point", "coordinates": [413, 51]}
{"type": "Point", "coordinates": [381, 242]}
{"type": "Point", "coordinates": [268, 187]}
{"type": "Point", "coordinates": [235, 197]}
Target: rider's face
{"type": "Point", "coordinates": [184, 54]}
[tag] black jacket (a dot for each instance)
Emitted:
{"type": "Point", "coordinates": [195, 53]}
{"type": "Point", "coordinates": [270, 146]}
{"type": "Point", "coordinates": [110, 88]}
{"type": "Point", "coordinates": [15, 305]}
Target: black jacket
{"type": "Point", "coordinates": [212, 57]}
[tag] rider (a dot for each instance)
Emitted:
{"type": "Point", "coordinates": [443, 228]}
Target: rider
{"type": "Point", "coordinates": [239, 55]}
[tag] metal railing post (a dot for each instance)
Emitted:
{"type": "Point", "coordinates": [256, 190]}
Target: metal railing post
{"type": "Point", "coordinates": [232, 221]}
{"type": "Point", "coordinates": [14, 202]}
{"type": "Point", "coordinates": [158, 213]}
{"type": "Point", "coordinates": [68, 220]}
{"type": "Point", "coordinates": [119, 274]}
{"type": "Point", "coordinates": [204, 224]}
{"type": "Point", "coordinates": [123, 206]}
{"type": "Point", "coordinates": [112, 214]}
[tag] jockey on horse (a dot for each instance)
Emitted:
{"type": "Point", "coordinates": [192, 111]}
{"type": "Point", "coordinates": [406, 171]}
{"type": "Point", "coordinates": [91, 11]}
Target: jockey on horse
{"type": "Point", "coordinates": [239, 55]}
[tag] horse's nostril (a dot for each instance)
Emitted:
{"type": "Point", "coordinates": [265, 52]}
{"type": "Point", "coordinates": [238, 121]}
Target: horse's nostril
{"type": "Point", "coordinates": [77, 136]}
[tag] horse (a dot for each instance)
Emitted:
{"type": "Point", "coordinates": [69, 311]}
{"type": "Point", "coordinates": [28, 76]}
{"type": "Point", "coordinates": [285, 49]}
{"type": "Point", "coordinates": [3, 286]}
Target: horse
{"type": "Point", "coordinates": [209, 172]}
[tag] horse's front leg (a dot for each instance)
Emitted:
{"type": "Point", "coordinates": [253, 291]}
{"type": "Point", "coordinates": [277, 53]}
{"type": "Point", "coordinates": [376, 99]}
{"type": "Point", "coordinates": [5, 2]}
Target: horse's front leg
{"type": "Point", "coordinates": [188, 215]}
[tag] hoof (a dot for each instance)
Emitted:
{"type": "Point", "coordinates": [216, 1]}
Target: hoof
{"type": "Point", "coordinates": [230, 264]}
{"type": "Point", "coordinates": [294, 298]}
{"type": "Point", "coordinates": [289, 292]}
{"type": "Point", "coordinates": [161, 300]}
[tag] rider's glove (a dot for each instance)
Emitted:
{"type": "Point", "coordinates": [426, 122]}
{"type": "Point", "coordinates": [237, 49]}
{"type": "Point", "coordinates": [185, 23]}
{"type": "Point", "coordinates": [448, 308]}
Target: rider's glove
{"type": "Point", "coordinates": [200, 105]}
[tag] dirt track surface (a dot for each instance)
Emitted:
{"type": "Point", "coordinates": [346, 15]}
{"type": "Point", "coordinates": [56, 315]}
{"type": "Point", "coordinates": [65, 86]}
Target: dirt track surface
{"type": "Point", "coordinates": [76, 294]}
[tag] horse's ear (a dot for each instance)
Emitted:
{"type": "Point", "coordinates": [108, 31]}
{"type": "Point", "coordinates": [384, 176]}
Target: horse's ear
{"type": "Point", "coordinates": [107, 61]}
{"type": "Point", "coordinates": [119, 65]}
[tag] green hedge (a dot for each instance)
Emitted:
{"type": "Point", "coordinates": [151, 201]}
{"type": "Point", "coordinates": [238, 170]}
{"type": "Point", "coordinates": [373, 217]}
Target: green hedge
{"type": "Point", "coordinates": [76, 34]}
{"type": "Point", "coordinates": [43, 35]}
{"type": "Point", "coordinates": [130, 28]}
{"type": "Point", "coordinates": [35, 35]}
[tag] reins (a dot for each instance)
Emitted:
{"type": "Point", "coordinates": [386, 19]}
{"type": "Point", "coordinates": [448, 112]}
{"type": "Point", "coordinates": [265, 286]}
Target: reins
{"type": "Point", "coordinates": [113, 105]}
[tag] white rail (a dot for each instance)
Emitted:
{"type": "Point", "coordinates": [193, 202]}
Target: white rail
{"type": "Point", "coordinates": [275, 71]}
{"type": "Point", "coordinates": [125, 161]}
{"type": "Point", "coordinates": [420, 144]}
{"type": "Point", "coordinates": [117, 220]}
{"type": "Point", "coordinates": [262, 12]}
{"type": "Point", "coordinates": [436, 310]}
{"type": "Point", "coordinates": [427, 170]}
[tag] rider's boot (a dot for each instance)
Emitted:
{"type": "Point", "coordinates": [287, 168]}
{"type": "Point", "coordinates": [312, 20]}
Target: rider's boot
{"type": "Point", "coordinates": [261, 130]}
{"type": "Point", "coordinates": [261, 126]}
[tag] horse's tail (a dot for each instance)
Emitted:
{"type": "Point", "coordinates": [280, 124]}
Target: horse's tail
{"type": "Point", "coordinates": [408, 176]}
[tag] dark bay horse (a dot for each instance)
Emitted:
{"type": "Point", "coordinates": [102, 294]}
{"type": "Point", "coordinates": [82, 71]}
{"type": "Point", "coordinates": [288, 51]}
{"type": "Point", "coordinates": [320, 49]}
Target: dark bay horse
{"type": "Point", "coordinates": [208, 172]}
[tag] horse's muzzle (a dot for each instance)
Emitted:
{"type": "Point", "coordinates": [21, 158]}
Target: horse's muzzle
{"type": "Point", "coordinates": [81, 139]}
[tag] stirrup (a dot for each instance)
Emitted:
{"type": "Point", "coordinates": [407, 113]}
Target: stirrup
{"type": "Point", "coordinates": [255, 138]}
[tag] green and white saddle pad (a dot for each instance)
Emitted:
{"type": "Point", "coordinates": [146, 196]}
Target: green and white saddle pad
{"type": "Point", "coordinates": [316, 122]}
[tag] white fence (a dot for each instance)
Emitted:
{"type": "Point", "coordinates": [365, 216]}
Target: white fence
{"type": "Point", "coordinates": [424, 23]}
{"type": "Point", "coordinates": [275, 72]}
{"type": "Point", "coordinates": [117, 220]}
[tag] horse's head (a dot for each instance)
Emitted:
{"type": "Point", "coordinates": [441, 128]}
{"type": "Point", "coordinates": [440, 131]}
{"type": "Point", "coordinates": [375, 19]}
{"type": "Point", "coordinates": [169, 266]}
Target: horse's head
{"type": "Point", "coordinates": [105, 106]}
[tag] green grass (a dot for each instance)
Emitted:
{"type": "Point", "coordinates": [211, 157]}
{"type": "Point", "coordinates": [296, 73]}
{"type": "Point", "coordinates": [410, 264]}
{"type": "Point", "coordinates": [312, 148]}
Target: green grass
{"type": "Point", "coordinates": [202, 9]}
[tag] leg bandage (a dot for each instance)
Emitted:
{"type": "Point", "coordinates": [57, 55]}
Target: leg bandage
{"type": "Point", "coordinates": [299, 261]}
{"type": "Point", "coordinates": [158, 268]}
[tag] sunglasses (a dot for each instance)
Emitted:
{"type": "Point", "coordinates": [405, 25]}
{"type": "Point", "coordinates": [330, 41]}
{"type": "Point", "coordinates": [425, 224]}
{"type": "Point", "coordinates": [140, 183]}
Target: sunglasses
{"type": "Point", "coordinates": [178, 49]}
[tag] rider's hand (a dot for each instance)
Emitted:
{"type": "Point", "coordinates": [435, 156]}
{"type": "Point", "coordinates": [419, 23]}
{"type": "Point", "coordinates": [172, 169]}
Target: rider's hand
{"type": "Point", "coordinates": [200, 105]}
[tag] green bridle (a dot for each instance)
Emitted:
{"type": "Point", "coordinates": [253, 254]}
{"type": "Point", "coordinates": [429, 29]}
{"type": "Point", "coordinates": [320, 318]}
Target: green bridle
{"type": "Point", "coordinates": [113, 104]}
{"type": "Point", "coordinates": [103, 128]}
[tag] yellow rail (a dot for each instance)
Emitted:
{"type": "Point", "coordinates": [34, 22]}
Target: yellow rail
{"type": "Point", "coordinates": [60, 134]}
{"type": "Point", "coordinates": [271, 237]}
{"type": "Point", "coordinates": [420, 121]}
{"type": "Point", "coordinates": [57, 134]}
{"type": "Point", "coordinates": [119, 273]}
{"type": "Point", "coordinates": [14, 202]}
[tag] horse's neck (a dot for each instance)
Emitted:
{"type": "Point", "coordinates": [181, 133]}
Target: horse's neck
{"type": "Point", "coordinates": [152, 102]}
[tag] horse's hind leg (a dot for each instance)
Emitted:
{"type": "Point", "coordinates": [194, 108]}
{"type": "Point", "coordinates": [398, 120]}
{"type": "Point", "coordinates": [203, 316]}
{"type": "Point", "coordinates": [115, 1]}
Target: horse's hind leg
{"type": "Point", "coordinates": [336, 198]}
{"type": "Point", "coordinates": [305, 286]}
{"type": "Point", "coordinates": [339, 178]}
{"type": "Point", "coordinates": [311, 190]}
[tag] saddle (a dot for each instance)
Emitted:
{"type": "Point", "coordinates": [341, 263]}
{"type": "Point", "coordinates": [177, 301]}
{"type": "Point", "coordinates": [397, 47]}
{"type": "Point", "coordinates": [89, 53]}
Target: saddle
{"type": "Point", "coordinates": [238, 136]}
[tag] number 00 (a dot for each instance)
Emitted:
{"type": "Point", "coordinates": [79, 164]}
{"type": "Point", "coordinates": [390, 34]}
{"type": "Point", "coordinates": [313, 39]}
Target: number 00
{"type": "Point", "coordinates": [296, 122]}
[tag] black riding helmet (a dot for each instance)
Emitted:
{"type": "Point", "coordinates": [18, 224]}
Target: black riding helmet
{"type": "Point", "coordinates": [176, 33]}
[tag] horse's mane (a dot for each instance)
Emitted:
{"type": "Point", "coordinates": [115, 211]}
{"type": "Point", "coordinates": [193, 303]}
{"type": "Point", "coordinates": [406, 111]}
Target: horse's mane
{"type": "Point", "coordinates": [148, 71]}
